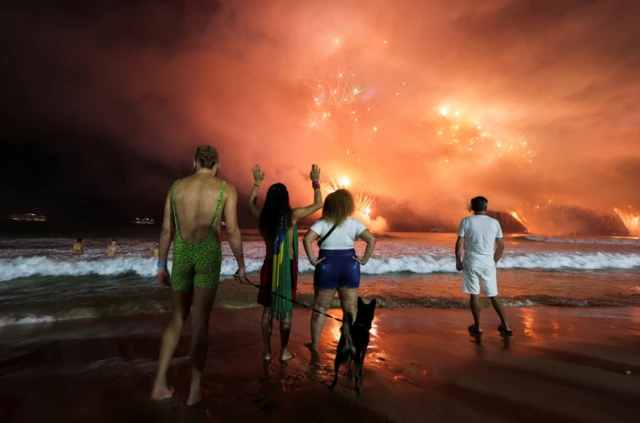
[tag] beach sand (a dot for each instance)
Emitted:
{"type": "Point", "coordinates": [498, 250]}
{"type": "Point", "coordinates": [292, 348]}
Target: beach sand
{"type": "Point", "coordinates": [563, 364]}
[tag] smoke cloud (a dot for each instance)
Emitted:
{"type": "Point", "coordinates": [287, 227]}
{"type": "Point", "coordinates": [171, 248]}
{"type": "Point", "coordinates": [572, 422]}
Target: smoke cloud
{"type": "Point", "coordinates": [533, 104]}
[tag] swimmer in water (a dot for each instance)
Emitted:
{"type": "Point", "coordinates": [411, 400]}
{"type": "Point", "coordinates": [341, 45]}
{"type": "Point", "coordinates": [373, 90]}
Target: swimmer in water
{"type": "Point", "coordinates": [155, 250]}
{"type": "Point", "coordinates": [114, 248]}
{"type": "Point", "coordinates": [78, 247]}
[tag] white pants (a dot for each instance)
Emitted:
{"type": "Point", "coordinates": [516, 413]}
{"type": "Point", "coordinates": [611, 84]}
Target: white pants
{"type": "Point", "coordinates": [473, 277]}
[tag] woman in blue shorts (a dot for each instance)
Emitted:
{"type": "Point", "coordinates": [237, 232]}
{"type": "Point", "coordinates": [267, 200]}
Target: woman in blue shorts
{"type": "Point", "coordinates": [337, 267]}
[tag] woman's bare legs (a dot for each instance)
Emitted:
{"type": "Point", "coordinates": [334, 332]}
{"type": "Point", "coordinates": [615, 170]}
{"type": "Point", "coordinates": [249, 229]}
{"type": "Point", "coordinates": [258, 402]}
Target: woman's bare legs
{"type": "Point", "coordinates": [348, 302]}
{"type": "Point", "coordinates": [267, 329]}
{"type": "Point", "coordinates": [267, 325]}
{"type": "Point", "coordinates": [285, 331]}
{"type": "Point", "coordinates": [203, 299]}
{"type": "Point", "coordinates": [323, 298]}
{"type": "Point", "coordinates": [170, 338]}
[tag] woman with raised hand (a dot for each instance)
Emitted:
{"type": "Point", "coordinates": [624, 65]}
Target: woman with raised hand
{"type": "Point", "coordinates": [279, 273]}
{"type": "Point", "coordinates": [337, 267]}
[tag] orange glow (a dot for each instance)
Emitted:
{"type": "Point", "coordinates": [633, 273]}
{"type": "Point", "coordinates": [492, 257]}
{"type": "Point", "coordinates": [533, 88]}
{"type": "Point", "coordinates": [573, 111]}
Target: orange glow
{"type": "Point", "coordinates": [363, 201]}
{"type": "Point", "coordinates": [630, 219]}
{"type": "Point", "coordinates": [516, 217]}
{"type": "Point", "coordinates": [528, 319]}
{"type": "Point", "coordinates": [518, 124]}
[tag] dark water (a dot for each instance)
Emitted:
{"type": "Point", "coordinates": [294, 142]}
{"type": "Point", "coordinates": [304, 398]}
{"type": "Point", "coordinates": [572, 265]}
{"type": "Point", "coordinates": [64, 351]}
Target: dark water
{"type": "Point", "coordinates": [41, 281]}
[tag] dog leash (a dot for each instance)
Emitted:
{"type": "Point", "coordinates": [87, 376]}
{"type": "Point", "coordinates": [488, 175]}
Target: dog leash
{"type": "Point", "coordinates": [248, 282]}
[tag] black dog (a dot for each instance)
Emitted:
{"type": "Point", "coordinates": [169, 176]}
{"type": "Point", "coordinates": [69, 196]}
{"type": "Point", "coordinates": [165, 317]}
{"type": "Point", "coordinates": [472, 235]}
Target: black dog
{"type": "Point", "coordinates": [355, 340]}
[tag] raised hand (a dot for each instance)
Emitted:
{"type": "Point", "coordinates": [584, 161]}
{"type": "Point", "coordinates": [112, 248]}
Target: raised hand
{"type": "Point", "coordinates": [315, 173]}
{"type": "Point", "coordinates": [258, 175]}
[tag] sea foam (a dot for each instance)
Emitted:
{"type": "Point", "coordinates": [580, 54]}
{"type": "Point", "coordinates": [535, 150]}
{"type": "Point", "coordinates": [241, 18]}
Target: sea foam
{"type": "Point", "coordinates": [419, 264]}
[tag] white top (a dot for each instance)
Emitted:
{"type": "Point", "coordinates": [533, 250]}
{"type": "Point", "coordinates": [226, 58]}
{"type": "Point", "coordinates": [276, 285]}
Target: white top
{"type": "Point", "coordinates": [343, 237]}
{"type": "Point", "coordinates": [479, 233]}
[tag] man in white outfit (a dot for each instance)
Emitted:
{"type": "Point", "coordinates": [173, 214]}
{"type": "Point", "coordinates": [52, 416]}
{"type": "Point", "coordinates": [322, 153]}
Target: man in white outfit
{"type": "Point", "coordinates": [480, 236]}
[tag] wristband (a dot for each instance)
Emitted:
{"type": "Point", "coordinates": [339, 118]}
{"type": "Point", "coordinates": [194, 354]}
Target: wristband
{"type": "Point", "coordinates": [162, 264]}
{"type": "Point", "coordinates": [315, 184]}
{"type": "Point", "coordinates": [256, 185]}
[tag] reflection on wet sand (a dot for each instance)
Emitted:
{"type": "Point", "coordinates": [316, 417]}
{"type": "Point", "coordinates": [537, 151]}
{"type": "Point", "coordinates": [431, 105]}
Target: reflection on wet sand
{"type": "Point", "coordinates": [556, 327]}
{"type": "Point", "coordinates": [528, 320]}
{"type": "Point", "coordinates": [420, 366]}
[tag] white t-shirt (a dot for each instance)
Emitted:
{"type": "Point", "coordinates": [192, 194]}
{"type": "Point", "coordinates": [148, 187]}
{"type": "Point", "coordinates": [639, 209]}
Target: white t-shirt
{"type": "Point", "coordinates": [343, 237]}
{"type": "Point", "coordinates": [479, 233]}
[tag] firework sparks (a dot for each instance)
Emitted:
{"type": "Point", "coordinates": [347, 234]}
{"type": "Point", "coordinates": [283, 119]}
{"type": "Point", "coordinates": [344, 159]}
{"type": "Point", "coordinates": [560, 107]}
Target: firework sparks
{"type": "Point", "coordinates": [528, 215]}
{"type": "Point", "coordinates": [363, 202]}
{"type": "Point", "coordinates": [630, 219]}
{"type": "Point", "coordinates": [462, 135]}
{"type": "Point", "coordinates": [362, 199]}
{"type": "Point", "coordinates": [334, 99]}
{"type": "Point", "coordinates": [516, 217]}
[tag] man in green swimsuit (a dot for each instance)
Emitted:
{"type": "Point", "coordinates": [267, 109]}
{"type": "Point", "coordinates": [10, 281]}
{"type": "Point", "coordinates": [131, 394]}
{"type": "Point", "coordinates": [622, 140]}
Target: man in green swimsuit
{"type": "Point", "coordinates": [192, 216]}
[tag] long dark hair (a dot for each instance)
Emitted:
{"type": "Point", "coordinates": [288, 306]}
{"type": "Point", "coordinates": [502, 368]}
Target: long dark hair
{"type": "Point", "coordinates": [276, 206]}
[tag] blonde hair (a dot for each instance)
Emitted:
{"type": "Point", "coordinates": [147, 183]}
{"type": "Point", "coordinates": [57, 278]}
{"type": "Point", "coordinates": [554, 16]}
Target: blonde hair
{"type": "Point", "coordinates": [337, 207]}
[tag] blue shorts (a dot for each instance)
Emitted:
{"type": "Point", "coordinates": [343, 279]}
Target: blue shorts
{"type": "Point", "coordinates": [337, 270]}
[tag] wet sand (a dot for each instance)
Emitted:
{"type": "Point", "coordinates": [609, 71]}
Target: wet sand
{"type": "Point", "coordinates": [563, 364]}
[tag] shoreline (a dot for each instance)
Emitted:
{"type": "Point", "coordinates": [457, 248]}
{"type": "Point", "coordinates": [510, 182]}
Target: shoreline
{"type": "Point", "coordinates": [136, 296]}
{"type": "Point", "coordinates": [21, 318]}
{"type": "Point", "coordinates": [563, 364]}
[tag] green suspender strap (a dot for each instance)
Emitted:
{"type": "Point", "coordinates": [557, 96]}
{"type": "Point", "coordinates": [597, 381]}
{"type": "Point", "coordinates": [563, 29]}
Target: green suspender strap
{"type": "Point", "coordinates": [219, 206]}
{"type": "Point", "coordinates": [295, 244]}
{"type": "Point", "coordinates": [173, 208]}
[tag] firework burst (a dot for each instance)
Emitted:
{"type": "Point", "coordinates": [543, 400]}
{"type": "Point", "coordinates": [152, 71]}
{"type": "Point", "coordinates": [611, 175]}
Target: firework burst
{"type": "Point", "coordinates": [334, 100]}
{"type": "Point", "coordinates": [527, 215]}
{"type": "Point", "coordinates": [630, 219]}
{"type": "Point", "coordinates": [461, 136]}
{"type": "Point", "coordinates": [362, 199]}
{"type": "Point", "coordinates": [518, 219]}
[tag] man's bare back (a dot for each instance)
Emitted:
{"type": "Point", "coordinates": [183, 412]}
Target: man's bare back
{"type": "Point", "coordinates": [196, 200]}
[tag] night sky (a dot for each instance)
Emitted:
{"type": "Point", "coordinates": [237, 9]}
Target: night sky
{"type": "Point", "coordinates": [104, 104]}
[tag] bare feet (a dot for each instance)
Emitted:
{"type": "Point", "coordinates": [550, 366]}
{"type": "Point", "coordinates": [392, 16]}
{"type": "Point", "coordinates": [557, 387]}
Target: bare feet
{"type": "Point", "coordinates": [286, 356]}
{"type": "Point", "coordinates": [505, 330]}
{"type": "Point", "coordinates": [162, 393]}
{"type": "Point", "coordinates": [315, 358]}
{"type": "Point", "coordinates": [194, 397]}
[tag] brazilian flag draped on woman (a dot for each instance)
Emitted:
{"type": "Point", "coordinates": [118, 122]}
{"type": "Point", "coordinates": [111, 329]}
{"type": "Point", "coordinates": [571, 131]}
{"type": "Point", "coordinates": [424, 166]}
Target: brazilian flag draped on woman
{"type": "Point", "coordinates": [281, 289]}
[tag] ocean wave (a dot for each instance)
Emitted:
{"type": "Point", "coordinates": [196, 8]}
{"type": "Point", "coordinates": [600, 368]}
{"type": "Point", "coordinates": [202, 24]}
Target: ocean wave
{"type": "Point", "coordinates": [48, 317]}
{"type": "Point", "coordinates": [131, 308]}
{"type": "Point", "coordinates": [419, 264]}
{"type": "Point", "coordinates": [604, 241]}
